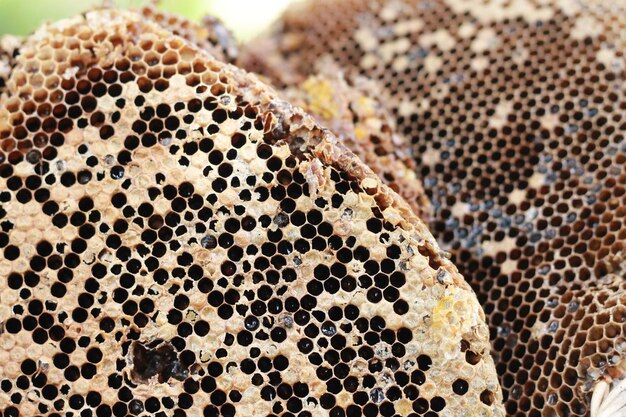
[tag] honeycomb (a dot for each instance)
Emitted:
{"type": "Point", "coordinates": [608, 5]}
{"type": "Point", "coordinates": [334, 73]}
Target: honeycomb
{"type": "Point", "coordinates": [211, 35]}
{"type": "Point", "coordinates": [515, 111]}
{"type": "Point", "coordinates": [177, 240]}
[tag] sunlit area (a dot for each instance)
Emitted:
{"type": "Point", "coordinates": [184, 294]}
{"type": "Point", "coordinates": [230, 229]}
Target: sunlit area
{"type": "Point", "coordinates": [246, 18]}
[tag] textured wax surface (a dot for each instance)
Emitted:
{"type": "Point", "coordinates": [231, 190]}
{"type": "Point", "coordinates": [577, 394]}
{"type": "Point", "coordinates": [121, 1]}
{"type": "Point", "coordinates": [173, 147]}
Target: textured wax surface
{"type": "Point", "coordinates": [177, 240]}
{"type": "Point", "coordinates": [516, 115]}
{"type": "Point", "coordinates": [8, 46]}
{"type": "Point", "coordinates": [352, 109]}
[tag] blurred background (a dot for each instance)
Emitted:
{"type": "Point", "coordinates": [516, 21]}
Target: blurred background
{"type": "Point", "coordinates": [246, 18]}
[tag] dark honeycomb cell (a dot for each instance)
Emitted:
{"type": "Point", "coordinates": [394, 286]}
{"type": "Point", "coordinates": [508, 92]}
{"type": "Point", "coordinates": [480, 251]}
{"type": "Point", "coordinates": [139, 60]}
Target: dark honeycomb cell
{"type": "Point", "coordinates": [515, 114]}
{"type": "Point", "coordinates": [157, 360]}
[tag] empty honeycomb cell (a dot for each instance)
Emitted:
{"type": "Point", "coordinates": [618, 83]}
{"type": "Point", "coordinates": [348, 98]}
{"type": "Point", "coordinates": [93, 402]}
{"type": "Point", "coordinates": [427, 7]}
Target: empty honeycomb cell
{"type": "Point", "coordinates": [183, 241]}
{"type": "Point", "coordinates": [514, 112]}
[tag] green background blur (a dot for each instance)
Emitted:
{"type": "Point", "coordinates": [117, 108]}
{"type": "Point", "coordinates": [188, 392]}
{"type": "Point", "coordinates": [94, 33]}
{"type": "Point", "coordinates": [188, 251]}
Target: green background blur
{"type": "Point", "coordinates": [246, 18]}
